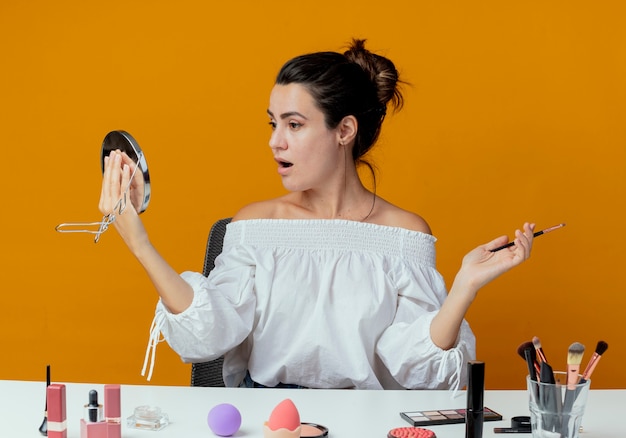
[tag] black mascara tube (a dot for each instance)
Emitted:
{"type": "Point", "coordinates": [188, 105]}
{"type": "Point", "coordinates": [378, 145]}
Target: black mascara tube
{"type": "Point", "coordinates": [474, 414]}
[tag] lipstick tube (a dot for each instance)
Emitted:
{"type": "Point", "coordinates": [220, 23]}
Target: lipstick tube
{"type": "Point", "coordinates": [113, 411]}
{"type": "Point", "coordinates": [474, 414]}
{"type": "Point", "coordinates": [57, 419]}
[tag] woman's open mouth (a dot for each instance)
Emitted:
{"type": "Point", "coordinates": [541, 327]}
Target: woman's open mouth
{"type": "Point", "coordinates": [283, 167]}
{"type": "Point", "coordinates": [284, 164]}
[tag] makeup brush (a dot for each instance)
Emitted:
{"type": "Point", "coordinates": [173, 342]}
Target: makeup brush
{"type": "Point", "coordinates": [574, 358]}
{"type": "Point", "coordinates": [546, 375]}
{"type": "Point", "coordinates": [548, 398]}
{"type": "Point", "coordinates": [537, 234]}
{"type": "Point", "coordinates": [43, 429]}
{"type": "Point", "coordinates": [595, 358]}
{"type": "Point", "coordinates": [527, 352]}
{"type": "Point", "coordinates": [539, 350]}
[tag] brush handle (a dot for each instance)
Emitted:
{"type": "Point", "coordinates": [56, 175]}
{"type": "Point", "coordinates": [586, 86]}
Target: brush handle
{"type": "Point", "coordinates": [548, 396]}
{"type": "Point", "coordinates": [512, 242]}
{"type": "Point", "coordinates": [591, 366]}
{"type": "Point", "coordinates": [532, 366]}
{"type": "Point", "coordinates": [572, 376]}
{"type": "Point", "coordinates": [568, 403]}
{"type": "Point", "coordinates": [536, 234]}
{"type": "Point", "coordinates": [547, 374]}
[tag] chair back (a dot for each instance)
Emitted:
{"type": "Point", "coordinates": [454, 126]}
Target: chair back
{"type": "Point", "coordinates": [210, 373]}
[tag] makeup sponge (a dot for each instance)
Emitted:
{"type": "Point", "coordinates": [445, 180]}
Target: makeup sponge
{"type": "Point", "coordinates": [224, 419]}
{"type": "Point", "coordinates": [284, 416]}
{"type": "Point", "coordinates": [284, 421]}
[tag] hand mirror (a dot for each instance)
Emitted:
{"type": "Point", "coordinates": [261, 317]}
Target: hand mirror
{"type": "Point", "coordinates": [140, 180]}
{"type": "Point", "coordinates": [137, 192]}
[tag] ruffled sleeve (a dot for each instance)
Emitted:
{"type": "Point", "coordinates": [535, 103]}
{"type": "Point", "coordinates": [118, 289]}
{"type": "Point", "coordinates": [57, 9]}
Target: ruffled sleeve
{"type": "Point", "coordinates": [406, 348]}
{"type": "Point", "coordinates": [220, 316]}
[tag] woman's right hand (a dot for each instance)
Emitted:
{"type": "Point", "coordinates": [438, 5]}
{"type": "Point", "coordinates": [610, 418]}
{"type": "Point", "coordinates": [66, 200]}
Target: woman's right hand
{"type": "Point", "coordinates": [116, 178]}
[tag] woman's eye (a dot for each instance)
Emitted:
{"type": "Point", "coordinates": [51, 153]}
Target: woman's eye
{"type": "Point", "coordinates": [272, 125]}
{"type": "Point", "coordinates": [294, 125]}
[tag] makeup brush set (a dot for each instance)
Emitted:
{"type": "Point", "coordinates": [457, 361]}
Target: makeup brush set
{"type": "Point", "coordinates": [557, 398]}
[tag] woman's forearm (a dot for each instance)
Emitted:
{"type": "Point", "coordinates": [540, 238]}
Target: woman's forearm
{"type": "Point", "coordinates": [479, 267]}
{"type": "Point", "coordinates": [175, 292]}
{"type": "Point", "coordinates": [445, 326]}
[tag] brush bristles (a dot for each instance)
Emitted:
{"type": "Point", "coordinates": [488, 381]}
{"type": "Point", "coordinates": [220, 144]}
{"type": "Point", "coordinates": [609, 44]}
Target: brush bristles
{"type": "Point", "coordinates": [526, 346]}
{"type": "Point", "coordinates": [540, 354]}
{"type": "Point", "coordinates": [536, 342]}
{"type": "Point", "coordinates": [575, 353]}
{"type": "Point", "coordinates": [601, 347]}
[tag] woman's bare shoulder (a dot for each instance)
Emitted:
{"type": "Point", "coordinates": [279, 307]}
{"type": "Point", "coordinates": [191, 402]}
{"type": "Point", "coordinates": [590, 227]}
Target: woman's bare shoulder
{"type": "Point", "coordinates": [285, 207]}
{"type": "Point", "coordinates": [268, 209]}
{"type": "Point", "coordinates": [256, 210]}
{"type": "Point", "coordinates": [393, 216]}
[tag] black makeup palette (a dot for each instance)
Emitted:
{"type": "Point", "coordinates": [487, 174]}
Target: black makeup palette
{"type": "Point", "coordinates": [312, 430]}
{"type": "Point", "coordinates": [444, 416]}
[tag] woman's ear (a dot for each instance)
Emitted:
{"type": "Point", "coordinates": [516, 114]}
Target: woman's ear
{"type": "Point", "coordinates": [347, 130]}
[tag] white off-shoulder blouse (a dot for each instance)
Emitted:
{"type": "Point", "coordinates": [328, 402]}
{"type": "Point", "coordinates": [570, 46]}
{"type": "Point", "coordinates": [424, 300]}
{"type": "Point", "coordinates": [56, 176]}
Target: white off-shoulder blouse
{"type": "Point", "coordinates": [322, 304]}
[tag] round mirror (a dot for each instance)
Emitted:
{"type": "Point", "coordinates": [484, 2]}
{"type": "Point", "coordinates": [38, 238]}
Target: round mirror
{"type": "Point", "coordinates": [124, 142]}
{"type": "Point", "coordinates": [137, 190]}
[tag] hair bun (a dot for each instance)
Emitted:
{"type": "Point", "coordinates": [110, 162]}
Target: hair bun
{"type": "Point", "coordinates": [381, 71]}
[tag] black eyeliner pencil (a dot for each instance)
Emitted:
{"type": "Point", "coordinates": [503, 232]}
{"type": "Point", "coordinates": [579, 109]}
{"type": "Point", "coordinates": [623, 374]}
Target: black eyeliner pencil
{"type": "Point", "coordinates": [538, 233]}
{"type": "Point", "coordinates": [43, 429]}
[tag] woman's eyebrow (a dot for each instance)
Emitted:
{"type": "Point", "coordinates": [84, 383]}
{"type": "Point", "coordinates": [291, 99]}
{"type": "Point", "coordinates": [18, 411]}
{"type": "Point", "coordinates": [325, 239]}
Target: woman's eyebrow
{"type": "Point", "coordinates": [288, 114]}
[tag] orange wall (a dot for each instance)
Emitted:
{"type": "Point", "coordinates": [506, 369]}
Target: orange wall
{"type": "Point", "coordinates": [516, 112]}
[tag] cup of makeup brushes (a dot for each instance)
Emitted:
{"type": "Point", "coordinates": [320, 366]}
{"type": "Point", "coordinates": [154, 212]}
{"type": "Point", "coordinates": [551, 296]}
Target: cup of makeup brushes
{"type": "Point", "coordinates": [556, 409]}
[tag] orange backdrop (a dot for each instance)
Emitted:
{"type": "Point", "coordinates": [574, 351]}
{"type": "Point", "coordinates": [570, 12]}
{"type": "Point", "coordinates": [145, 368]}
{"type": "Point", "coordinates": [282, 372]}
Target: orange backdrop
{"type": "Point", "coordinates": [515, 112]}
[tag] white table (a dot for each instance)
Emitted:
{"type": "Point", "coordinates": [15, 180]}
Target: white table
{"type": "Point", "coordinates": [347, 413]}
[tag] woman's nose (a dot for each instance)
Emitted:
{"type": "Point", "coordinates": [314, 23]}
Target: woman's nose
{"type": "Point", "coordinates": [277, 140]}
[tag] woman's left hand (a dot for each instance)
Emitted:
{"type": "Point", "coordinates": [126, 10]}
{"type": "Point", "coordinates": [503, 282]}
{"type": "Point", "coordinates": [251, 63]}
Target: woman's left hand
{"type": "Point", "coordinates": [481, 265]}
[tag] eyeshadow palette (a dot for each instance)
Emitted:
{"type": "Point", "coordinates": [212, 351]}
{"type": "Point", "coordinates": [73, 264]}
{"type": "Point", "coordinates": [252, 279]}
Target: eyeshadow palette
{"type": "Point", "coordinates": [444, 416]}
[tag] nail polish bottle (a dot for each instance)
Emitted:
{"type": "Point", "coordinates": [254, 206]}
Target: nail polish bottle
{"type": "Point", "coordinates": [93, 410]}
{"type": "Point", "coordinates": [92, 425]}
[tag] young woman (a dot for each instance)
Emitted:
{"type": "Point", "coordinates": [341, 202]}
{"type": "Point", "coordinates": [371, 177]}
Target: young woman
{"type": "Point", "coordinates": [328, 286]}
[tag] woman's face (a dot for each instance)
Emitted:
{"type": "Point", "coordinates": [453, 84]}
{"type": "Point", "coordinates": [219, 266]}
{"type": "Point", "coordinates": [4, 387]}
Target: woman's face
{"type": "Point", "coordinates": [307, 152]}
